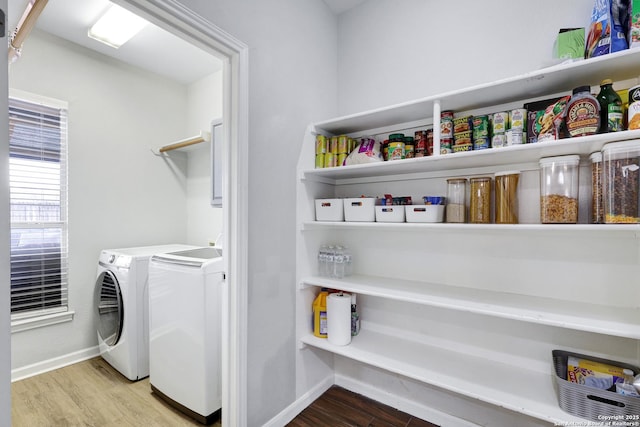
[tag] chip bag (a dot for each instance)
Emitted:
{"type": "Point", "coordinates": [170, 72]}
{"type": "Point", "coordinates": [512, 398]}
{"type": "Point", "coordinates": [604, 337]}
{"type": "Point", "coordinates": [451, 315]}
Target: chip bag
{"type": "Point", "coordinates": [608, 29]}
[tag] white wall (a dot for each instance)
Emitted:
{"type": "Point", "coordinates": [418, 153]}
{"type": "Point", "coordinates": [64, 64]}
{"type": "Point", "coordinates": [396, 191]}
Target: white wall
{"type": "Point", "coordinates": [5, 337]}
{"type": "Point", "coordinates": [292, 81]}
{"type": "Point", "coordinates": [204, 103]}
{"type": "Point", "coordinates": [120, 194]}
{"type": "Point", "coordinates": [390, 52]}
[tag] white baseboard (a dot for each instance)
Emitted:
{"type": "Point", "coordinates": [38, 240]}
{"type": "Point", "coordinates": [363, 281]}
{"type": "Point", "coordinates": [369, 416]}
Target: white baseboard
{"type": "Point", "coordinates": [290, 412]}
{"type": "Point", "coordinates": [405, 405]}
{"type": "Point", "coordinates": [54, 363]}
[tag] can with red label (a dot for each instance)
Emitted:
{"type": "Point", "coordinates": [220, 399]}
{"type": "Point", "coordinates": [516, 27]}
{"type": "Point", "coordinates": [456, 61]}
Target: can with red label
{"type": "Point", "coordinates": [420, 140]}
{"type": "Point", "coordinates": [445, 145]}
{"type": "Point", "coordinates": [446, 125]}
{"type": "Point", "coordinates": [429, 142]}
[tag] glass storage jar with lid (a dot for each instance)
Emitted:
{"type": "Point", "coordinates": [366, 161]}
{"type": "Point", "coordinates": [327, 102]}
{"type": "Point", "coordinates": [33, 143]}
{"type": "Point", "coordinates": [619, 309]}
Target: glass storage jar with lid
{"type": "Point", "coordinates": [456, 195]}
{"type": "Point", "coordinates": [507, 197]}
{"type": "Point", "coordinates": [559, 189]}
{"type": "Point", "coordinates": [620, 165]}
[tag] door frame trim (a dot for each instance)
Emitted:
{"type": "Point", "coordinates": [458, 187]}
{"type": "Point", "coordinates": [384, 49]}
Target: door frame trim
{"type": "Point", "coordinates": [176, 18]}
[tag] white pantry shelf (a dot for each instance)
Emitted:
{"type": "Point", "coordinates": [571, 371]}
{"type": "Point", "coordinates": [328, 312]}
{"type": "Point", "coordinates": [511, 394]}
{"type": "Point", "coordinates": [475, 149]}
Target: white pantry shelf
{"type": "Point", "coordinates": [515, 388]}
{"type": "Point", "coordinates": [617, 321]}
{"type": "Point", "coordinates": [561, 78]}
{"type": "Point", "coordinates": [496, 157]}
{"type": "Point", "coordinates": [631, 231]}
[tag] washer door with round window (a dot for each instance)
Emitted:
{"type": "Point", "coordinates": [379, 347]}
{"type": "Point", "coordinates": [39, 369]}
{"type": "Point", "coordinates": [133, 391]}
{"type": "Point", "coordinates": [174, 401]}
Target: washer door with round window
{"type": "Point", "coordinates": [109, 308]}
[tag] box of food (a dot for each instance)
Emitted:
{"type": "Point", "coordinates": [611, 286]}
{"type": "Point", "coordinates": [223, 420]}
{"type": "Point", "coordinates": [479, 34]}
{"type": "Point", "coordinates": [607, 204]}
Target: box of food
{"type": "Point", "coordinates": [361, 209]}
{"type": "Point", "coordinates": [329, 210]}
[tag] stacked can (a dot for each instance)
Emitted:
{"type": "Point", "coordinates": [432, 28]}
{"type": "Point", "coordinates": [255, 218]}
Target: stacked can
{"type": "Point", "coordinates": [343, 149]}
{"type": "Point", "coordinates": [517, 134]}
{"type": "Point", "coordinates": [446, 132]}
{"type": "Point", "coordinates": [462, 134]}
{"type": "Point", "coordinates": [481, 138]}
{"type": "Point", "coordinates": [321, 150]}
{"type": "Point", "coordinates": [420, 139]}
{"type": "Point", "coordinates": [500, 124]}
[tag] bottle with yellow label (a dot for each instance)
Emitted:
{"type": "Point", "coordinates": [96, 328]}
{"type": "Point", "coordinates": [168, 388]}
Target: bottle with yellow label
{"type": "Point", "coordinates": [320, 315]}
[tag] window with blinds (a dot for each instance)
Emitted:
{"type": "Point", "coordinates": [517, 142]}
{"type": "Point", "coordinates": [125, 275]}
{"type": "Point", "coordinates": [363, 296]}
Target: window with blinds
{"type": "Point", "coordinates": [38, 184]}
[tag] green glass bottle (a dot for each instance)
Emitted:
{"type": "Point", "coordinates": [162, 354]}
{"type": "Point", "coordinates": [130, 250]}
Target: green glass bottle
{"type": "Point", "coordinates": [610, 108]}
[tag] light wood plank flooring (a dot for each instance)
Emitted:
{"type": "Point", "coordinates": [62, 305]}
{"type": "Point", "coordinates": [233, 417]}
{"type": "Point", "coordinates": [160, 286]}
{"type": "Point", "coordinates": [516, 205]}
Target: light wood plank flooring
{"type": "Point", "coordinates": [93, 394]}
{"type": "Point", "coordinates": [90, 393]}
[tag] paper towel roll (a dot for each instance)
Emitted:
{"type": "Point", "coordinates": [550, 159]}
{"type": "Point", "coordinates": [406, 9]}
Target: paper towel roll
{"type": "Point", "coordinates": [339, 318]}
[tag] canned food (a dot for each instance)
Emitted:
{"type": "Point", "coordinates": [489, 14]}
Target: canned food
{"type": "Point", "coordinates": [333, 145]}
{"type": "Point", "coordinates": [341, 158]}
{"type": "Point", "coordinates": [480, 127]}
{"type": "Point", "coordinates": [429, 142]}
{"type": "Point", "coordinates": [499, 140]}
{"type": "Point", "coordinates": [462, 138]}
{"type": "Point", "coordinates": [446, 125]}
{"type": "Point", "coordinates": [518, 119]}
{"type": "Point", "coordinates": [462, 124]}
{"type": "Point", "coordinates": [457, 148]}
{"type": "Point", "coordinates": [445, 145]}
{"type": "Point", "coordinates": [351, 145]}
{"type": "Point", "coordinates": [343, 144]}
{"type": "Point", "coordinates": [420, 143]}
{"type": "Point", "coordinates": [385, 150]}
{"type": "Point", "coordinates": [321, 144]}
{"type": "Point", "coordinates": [500, 122]}
{"type": "Point", "coordinates": [320, 160]}
{"type": "Point", "coordinates": [409, 151]}
{"type": "Point", "coordinates": [634, 108]}
{"type": "Point", "coordinates": [482, 143]}
{"type": "Point", "coordinates": [330, 160]}
{"type": "Point", "coordinates": [515, 137]}
{"type": "Point", "coordinates": [396, 150]}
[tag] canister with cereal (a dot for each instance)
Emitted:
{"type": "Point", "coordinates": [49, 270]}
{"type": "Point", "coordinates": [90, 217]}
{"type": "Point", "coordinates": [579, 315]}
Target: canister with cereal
{"type": "Point", "coordinates": [559, 189]}
{"type": "Point", "coordinates": [621, 181]}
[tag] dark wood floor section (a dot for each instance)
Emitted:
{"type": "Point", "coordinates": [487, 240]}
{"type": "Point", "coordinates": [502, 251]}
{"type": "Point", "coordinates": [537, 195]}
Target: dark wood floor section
{"type": "Point", "coordinates": [338, 407]}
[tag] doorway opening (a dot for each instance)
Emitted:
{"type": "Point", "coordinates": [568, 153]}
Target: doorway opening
{"type": "Point", "coordinates": [174, 18]}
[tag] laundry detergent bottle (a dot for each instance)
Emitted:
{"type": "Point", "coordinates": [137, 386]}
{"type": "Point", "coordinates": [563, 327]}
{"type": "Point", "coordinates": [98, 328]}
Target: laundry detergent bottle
{"type": "Point", "coordinates": [320, 314]}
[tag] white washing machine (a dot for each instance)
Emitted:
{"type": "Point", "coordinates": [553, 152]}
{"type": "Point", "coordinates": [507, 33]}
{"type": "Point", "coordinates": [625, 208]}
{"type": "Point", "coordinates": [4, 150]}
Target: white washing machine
{"type": "Point", "coordinates": [185, 329]}
{"type": "Point", "coordinates": [122, 307]}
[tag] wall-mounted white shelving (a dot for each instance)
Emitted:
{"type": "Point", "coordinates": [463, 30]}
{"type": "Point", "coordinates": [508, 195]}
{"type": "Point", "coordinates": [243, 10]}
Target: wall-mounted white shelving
{"type": "Point", "coordinates": [518, 291]}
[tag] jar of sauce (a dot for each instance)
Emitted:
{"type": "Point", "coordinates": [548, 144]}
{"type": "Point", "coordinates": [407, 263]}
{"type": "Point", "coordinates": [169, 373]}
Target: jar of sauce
{"type": "Point", "coordinates": [583, 113]}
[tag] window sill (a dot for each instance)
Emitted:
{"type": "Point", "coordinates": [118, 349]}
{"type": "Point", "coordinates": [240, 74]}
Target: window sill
{"type": "Point", "coordinates": [21, 324]}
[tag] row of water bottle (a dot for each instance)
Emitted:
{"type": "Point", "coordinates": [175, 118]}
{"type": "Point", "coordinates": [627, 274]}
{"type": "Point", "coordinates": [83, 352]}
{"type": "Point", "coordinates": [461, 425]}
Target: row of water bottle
{"type": "Point", "coordinates": [334, 261]}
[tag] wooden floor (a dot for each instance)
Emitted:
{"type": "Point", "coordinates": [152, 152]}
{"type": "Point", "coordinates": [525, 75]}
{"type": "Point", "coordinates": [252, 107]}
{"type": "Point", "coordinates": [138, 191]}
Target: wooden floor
{"type": "Point", "coordinates": [92, 393]}
{"type": "Point", "coordinates": [338, 407]}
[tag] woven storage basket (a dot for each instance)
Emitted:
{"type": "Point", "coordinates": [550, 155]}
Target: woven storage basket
{"type": "Point", "coordinates": [589, 402]}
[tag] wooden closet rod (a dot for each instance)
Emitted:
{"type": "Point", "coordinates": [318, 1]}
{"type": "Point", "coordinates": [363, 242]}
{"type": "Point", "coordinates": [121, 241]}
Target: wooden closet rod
{"type": "Point", "coordinates": [26, 24]}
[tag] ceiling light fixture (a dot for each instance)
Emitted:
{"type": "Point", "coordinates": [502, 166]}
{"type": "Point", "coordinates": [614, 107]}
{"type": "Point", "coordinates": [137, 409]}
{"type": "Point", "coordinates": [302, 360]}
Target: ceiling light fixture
{"type": "Point", "coordinates": [116, 27]}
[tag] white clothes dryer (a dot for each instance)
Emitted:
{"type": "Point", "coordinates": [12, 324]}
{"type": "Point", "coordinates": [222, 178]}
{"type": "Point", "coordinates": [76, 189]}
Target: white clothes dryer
{"type": "Point", "coordinates": [185, 330]}
{"type": "Point", "coordinates": [122, 307]}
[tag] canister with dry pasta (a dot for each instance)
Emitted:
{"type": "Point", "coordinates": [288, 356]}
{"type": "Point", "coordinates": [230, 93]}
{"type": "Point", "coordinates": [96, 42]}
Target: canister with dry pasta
{"type": "Point", "coordinates": [559, 189]}
{"type": "Point", "coordinates": [507, 197]}
{"type": "Point", "coordinates": [480, 200]}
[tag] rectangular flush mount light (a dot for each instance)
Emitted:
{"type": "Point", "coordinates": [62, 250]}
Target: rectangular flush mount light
{"type": "Point", "coordinates": [116, 26]}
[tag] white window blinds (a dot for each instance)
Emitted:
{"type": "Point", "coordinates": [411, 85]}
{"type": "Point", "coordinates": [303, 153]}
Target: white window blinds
{"type": "Point", "coordinates": [38, 183]}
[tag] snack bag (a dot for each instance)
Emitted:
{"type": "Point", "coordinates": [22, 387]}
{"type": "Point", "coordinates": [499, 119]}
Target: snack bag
{"type": "Point", "coordinates": [593, 374]}
{"type": "Point", "coordinates": [607, 32]}
{"type": "Point", "coordinates": [548, 127]}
